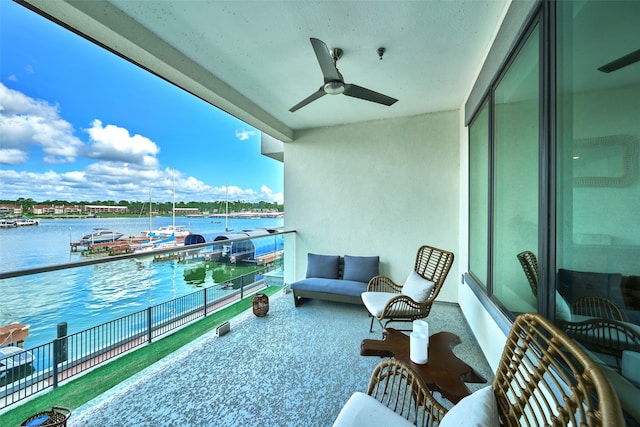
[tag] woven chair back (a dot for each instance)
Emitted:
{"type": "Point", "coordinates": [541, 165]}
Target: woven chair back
{"type": "Point", "coordinates": [396, 386]}
{"type": "Point", "coordinates": [529, 264]}
{"type": "Point", "coordinates": [433, 264]}
{"type": "Point", "coordinates": [544, 378]}
{"type": "Point", "coordinates": [598, 307]}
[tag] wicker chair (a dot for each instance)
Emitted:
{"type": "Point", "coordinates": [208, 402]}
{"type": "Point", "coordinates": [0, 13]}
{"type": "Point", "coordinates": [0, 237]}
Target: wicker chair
{"type": "Point", "coordinates": [543, 379]}
{"type": "Point", "coordinates": [590, 305]}
{"type": "Point", "coordinates": [385, 300]}
{"type": "Point", "coordinates": [529, 264]}
{"type": "Point", "coordinates": [606, 336]}
{"type": "Point", "coordinates": [598, 307]}
{"type": "Point", "coordinates": [395, 386]}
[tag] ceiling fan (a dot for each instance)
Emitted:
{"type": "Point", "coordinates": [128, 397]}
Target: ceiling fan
{"type": "Point", "coordinates": [621, 62]}
{"type": "Point", "coordinates": [334, 82]}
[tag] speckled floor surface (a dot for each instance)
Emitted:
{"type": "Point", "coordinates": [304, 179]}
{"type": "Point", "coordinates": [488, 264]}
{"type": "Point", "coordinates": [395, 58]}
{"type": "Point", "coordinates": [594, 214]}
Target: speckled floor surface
{"type": "Point", "coordinates": [294, 367]}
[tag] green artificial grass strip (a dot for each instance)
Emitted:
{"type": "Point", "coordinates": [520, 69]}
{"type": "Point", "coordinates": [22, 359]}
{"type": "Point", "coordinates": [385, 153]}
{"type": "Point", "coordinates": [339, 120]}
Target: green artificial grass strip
{"type": "Point", "coordinates": [86, 387]}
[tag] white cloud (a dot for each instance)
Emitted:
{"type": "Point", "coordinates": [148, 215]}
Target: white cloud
{"type": "Point", "coordinates": [12, 156]}
{"type": "Point", "coordinates": [113, 180]}
{"type": "Point", "coordinates": [124, 166]}
{"type": "Point", "coordinates": [113, 143]}
{"type": "Point", "coordinates": [26, 122]}
{"type": "Point", "coordinates": [267, 194]}
{"type": "Point", "coordinates": [244, 134]}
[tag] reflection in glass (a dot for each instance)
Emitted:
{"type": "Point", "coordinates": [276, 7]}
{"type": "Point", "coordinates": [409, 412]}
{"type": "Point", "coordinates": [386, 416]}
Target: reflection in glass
{"type": "Point", "coordinates": [598, 239]}
{"type": "Point", "coordinates": [515, 204]}
{"type": "Point", "coordinates": [479, 195]}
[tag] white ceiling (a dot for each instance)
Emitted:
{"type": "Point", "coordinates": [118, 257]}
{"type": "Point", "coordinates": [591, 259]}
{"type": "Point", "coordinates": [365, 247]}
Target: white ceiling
{"type": "Point", "coordinates": [254, 58]}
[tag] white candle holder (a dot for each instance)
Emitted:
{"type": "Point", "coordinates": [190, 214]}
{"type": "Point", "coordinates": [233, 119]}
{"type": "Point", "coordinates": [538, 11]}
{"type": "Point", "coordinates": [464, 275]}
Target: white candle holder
{"type": "Point", "coordinates": [421, 326]}
{"type": "Point", "coordinates": [418, 347]}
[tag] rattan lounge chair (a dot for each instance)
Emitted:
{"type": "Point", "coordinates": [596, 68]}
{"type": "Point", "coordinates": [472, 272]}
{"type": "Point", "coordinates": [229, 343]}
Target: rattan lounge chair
{"type": "Point", "coordinates": [543, 379]}
{"type": "Point", "coordinates": [529, 264]}
{"type": "Point", "coordinates": [605, 336]}
{"type": "Point", "coordinates": [598, 307]}
{"type": "Point", "coordinates": [396, 394]}
{"type": "Point", "coordinates": [391, 302]}
{"type": "Point", "coordinates": [590, 305]}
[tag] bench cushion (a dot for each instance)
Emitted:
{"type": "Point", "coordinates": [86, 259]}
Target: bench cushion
{"type": "Point", "coordinates": [326, 266]}
{"type": "Point", "coordinates": [360, 268]}
{"type": "Point", "coordinates": [331, 286]}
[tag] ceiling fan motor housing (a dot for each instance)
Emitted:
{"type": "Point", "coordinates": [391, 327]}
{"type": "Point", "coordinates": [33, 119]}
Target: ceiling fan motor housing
{"type": "Point", "coordinates": [335, 87]}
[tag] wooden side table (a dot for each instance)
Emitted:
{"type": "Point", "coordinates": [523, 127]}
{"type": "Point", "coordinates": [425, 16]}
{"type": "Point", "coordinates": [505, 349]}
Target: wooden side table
{"type": "Point", "coordinates": [443, 372]}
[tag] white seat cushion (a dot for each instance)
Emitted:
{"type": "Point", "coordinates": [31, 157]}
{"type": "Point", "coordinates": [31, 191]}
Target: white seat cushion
{"type": "Point", "coordinates": [376, 301]}
{"type": "Point", "coordinates": [363, 410]}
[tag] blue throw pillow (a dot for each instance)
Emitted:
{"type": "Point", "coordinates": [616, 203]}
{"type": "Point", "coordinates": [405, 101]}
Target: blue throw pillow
{"type": "Point", "coordinates": [326, 266]}
{"type": "Point", "coordinates": [360, 268]}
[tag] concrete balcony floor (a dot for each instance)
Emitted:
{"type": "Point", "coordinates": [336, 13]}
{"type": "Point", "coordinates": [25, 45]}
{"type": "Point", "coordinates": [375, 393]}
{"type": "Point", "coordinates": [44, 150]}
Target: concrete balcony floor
{"type": "Point", "coordinates": [294, 367]}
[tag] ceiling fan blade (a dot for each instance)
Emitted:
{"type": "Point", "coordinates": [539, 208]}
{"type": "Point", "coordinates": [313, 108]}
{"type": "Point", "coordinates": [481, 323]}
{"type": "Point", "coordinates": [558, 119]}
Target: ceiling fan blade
{"type": "Point", "coordinates": [621, 62]}
{"type": "Point", "coordinates": [368, 95]}
{"type": "Point", "coordinates": [328, 67]}
{"type": "Point", "coordinates": [309, 99]}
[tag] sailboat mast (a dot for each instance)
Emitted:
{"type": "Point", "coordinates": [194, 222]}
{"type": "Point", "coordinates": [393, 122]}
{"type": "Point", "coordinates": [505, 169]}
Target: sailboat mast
{"type": "Point", "coordinates": [226, 208]}
{"type": "Point", "coordinates": [174, 200]}
{"type": "Point", "coordinates": [150, 210]}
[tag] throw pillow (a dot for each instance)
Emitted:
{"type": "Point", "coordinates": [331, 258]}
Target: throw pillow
{"type": "Point", "coordinates": [478, 409]}
{"type": "Point", "coordinates": [563, 311]}
{"type": "Point", "coordinates": [360, 268]}
{"type": "Point", "coordinates": [324, 266]}
{"type": "Point", "coordinates": [417, 288]}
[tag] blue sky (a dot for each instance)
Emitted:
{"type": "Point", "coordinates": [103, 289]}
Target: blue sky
{"type": "Point", "coordinates": [79, 123]}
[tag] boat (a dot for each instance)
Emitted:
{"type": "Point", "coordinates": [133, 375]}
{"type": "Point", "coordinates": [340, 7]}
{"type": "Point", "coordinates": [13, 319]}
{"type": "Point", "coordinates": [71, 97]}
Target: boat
{"type": "Point", "coordinates": [11, 358]}
{"type": "Point", "coordinates": [24, 221]}
{"type": "Point", "coordinates": [102, 235]}
{"type": "Point", "coordinates": [176, 230]}
{"type": "Point", "coordinates": [154, 245]}
{"type": "Point", "coordinates": [173, 230]}
{"type": "Point", "coordinates": [7, 223]}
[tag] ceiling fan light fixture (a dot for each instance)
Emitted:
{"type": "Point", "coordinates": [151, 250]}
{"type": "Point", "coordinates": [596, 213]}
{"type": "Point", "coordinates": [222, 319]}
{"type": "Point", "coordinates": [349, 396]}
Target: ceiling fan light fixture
{"type": "Point", "coordinates": [334, 88]}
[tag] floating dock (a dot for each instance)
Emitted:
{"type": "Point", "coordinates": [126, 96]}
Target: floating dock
{"type": "Point", "coordinates": [13, 334]}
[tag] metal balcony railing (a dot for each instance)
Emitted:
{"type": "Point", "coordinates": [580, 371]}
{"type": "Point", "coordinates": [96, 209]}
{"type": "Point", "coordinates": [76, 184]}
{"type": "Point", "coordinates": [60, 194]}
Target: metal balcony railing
{"type": "Point", "coordinates": [30, 371]}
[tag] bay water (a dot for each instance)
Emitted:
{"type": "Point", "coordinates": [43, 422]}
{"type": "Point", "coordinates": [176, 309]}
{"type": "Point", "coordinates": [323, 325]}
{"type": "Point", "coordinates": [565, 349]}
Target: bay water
{"type": "Point", "coordinates": [88, 296]}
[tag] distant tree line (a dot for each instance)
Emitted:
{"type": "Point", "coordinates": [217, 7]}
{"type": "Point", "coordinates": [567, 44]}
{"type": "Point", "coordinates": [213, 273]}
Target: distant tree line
{"type": "Point", "coordinates": [136, 207]}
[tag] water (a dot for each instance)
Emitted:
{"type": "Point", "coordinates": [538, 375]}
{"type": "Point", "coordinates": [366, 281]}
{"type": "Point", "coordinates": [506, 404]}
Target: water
{"type": "Point", "coordinates": [87, 296]}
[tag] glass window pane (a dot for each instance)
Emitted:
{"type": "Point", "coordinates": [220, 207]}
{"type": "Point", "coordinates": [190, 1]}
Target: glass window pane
{"type": "Point", "coordinates": [598, 200]}
{"type": "Point", "coordinates": [479, 195]}
{"type": "Point", "coordinates": [515, 178]}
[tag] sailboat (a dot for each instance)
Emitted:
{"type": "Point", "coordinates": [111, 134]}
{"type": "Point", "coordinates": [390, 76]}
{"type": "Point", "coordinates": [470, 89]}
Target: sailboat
{"type": "Point", "coordinates": [173, 229]}
{"type": "Point", "coordinates": [226, 210]}
{"type": "Point", "coordinates": [166, 236]}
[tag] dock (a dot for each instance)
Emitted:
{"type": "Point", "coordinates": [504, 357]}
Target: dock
{"type": "Point", "coordinates": [13, 334]}
{"type": "Point", "coordinates": [124, 245]}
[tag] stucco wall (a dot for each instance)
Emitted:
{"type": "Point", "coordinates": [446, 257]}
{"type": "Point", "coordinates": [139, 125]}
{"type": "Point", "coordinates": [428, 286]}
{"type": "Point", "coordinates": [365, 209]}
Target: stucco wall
{"type": "Point", "coordinates": [377, 188]}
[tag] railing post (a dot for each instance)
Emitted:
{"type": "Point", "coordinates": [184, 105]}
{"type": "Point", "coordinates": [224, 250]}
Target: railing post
{"type": "Point", "coordinates": [149, 325]}
{"type": "Point", "coordinates": [242, 287]}
{"type": "Point", "coordinates": [63, 346]}
{"type": "Point", "coordinates": [56, 346]}
{"type": "Point", "coordinates": [59, 350]}
{"type": "Point", "coordinates": [205, 301]}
